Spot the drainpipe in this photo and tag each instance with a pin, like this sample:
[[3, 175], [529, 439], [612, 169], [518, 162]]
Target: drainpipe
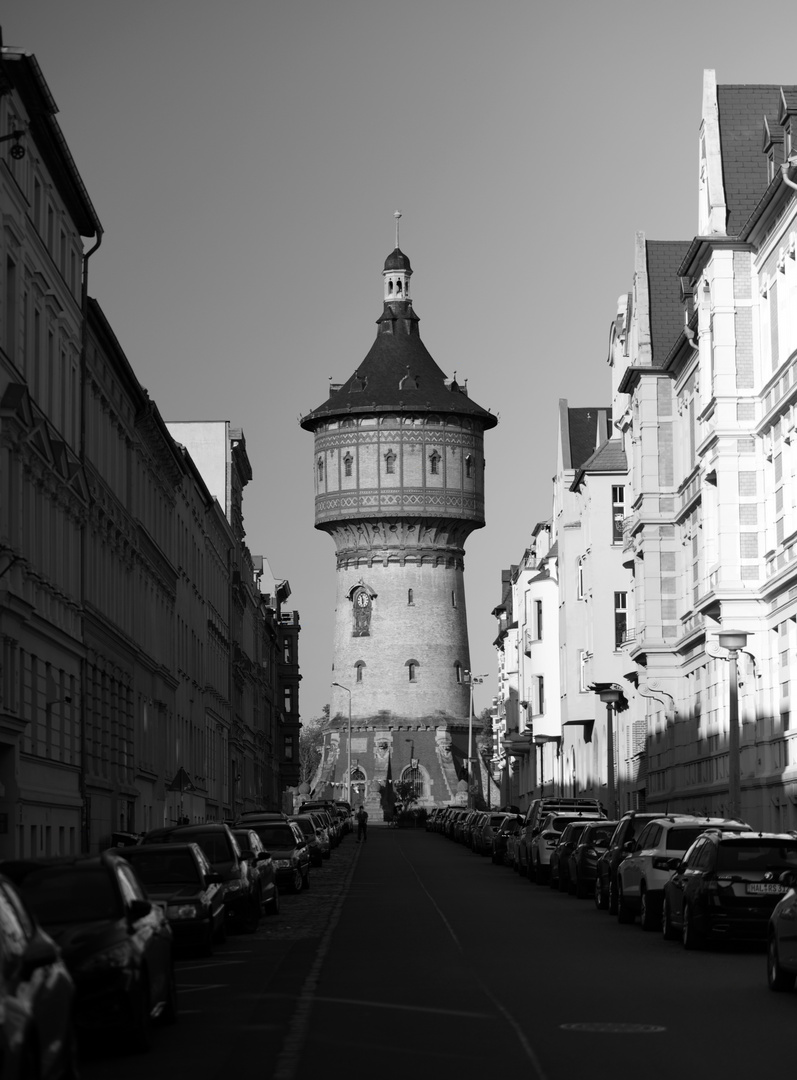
[[84, 341]]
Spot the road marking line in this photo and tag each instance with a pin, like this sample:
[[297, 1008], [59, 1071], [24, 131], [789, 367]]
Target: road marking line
[[187, 989], [391, 1005], [519, 1033], [614, 1028]]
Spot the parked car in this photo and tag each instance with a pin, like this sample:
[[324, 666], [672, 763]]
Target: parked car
[[651, 859], [484, 834], [117, 943], [180, 879], [546, 836], [314, 834], [37, 997], [241, 902], [289, 851], [537, 810], [559, 875], [782, 936], [727, 886], [507, 830], [261, 867], [583, 860], [629, 826], [343, 810], [321, 821]]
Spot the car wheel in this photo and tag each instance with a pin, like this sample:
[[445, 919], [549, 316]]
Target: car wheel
[[691, 937], [668, 931], [170, 1010], [296, 884], [612, 904], [141, 1033], [273, 905], [306, 879], [777, 978], [601, 903], [624, 913], [647, 912]]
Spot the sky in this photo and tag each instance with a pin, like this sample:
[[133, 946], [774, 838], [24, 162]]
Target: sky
[[245, 159]]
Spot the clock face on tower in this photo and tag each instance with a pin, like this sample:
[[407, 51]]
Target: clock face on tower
[[362, 614]]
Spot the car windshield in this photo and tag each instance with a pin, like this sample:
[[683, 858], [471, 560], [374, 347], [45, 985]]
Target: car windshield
[[66, 895], [596, 836], [164, 868], [276, 835], [757, 854], [305, 825]]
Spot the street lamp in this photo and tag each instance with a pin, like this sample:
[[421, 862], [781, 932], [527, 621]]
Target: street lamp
[[471, 678], [733, 641], [348, 746]]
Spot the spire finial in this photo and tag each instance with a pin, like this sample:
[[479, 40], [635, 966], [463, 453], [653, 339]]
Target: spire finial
[[397, 215]]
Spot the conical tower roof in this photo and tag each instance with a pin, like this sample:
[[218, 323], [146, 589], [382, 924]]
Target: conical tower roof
[[398, 374]]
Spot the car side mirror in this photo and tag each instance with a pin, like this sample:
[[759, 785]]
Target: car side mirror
[[266, 854], [788, 878], [138, 909], [629, 846], [261, 856], [40, 953]]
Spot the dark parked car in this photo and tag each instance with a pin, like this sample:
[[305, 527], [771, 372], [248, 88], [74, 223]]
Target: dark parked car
[[116, 942], [241, 902], [317, 842], [289, 852], [261, 867], [628, 828], [583, 860], [560, 867], [782, 937], [727, 886], [509, 827], [180, 879], [37, 997]]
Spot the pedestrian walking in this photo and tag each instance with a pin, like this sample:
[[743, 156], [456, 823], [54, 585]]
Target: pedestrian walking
[[362, 824]]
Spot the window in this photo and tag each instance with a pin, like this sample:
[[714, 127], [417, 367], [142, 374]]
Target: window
[[286, 650], [536, 612], [620, 618], [347, 465], [410, 597], [458, 671], [538, 695], [434, 463], [414, 776], [469, 466], [580, 595], [618, 513], [453, 598], [320, 469], [390, 462], [583, 671], [359, 667], [288, 748], [288, 699], [412, 670]]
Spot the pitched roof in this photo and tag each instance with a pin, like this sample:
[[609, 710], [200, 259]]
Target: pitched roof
[[398, 374], [664, 294], [583, 431], [742, 110]]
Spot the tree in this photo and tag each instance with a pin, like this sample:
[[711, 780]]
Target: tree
[[311, 739], [405, 793]]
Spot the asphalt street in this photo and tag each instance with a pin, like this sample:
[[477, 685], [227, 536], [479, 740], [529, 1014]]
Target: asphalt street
[[410, 955]]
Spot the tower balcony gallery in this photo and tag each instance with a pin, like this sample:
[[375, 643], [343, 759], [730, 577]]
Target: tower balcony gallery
[[399, 486]]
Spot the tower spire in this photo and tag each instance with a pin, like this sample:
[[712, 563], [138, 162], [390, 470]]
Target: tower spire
[[397, 215]]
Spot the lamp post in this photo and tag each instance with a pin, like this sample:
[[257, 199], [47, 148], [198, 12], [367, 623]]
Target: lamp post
[[348, 746], [471, 680], [610, 695], [733, 641]]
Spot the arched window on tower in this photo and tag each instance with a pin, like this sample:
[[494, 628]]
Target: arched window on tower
[[320, 469], [458, 671], [410, 597], [412, 670], [359, 667], [347, 463], [390, 462], [434, 463], [469, 466]]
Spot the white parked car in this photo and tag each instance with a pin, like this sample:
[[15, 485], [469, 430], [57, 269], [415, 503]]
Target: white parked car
[[651, 860], [545, 838]]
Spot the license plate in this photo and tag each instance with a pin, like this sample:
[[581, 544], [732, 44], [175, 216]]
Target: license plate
[[764, 888]]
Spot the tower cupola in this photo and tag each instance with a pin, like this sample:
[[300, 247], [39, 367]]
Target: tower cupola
[[397, 271]]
